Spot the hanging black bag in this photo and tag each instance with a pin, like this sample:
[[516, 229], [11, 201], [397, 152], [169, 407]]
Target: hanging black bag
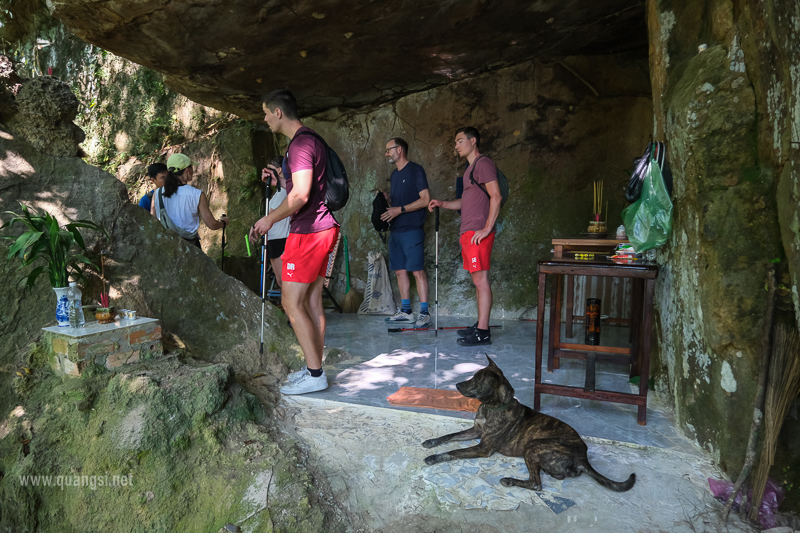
[[379, 207], [641, 166]]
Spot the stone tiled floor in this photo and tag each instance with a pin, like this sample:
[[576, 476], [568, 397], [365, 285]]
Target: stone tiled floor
[[383, 362], [372, 456]]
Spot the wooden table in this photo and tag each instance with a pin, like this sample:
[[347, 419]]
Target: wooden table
[[580, 244], [637, 355]]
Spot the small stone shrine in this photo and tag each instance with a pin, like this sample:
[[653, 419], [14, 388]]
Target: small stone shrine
[[108, 345]]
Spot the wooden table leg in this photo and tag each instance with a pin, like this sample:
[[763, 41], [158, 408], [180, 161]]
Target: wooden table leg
[[570, 303], [589, 382], [551, 337], [635, 333], [537, 396], [644, 380], [555, 341], [636, 309]]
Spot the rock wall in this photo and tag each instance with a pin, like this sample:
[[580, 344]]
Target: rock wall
[[726, 95], [544, 127]]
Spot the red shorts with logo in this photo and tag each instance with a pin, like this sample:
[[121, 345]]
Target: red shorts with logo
[[306, 255], [476, 257]]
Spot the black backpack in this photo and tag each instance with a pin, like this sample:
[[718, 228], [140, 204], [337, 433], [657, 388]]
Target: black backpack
[[379, 207], [337, 188]]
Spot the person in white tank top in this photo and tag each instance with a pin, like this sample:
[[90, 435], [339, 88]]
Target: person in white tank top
[[276, 236], [185, 205]]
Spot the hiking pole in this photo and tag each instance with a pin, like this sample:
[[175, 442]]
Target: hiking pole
[[436, 297], [264, 269], [222, 260], [399, 330]]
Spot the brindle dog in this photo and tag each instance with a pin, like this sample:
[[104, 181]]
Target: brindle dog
[[506, 426]]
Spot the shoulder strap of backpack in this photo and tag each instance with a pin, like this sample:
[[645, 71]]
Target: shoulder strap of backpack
[[307, 132], [161, 201], [471, 172]]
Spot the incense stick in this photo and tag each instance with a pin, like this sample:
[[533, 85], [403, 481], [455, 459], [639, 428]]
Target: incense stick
[[597, 198]]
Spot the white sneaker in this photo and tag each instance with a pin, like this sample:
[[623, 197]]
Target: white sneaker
[[423, 321], [294, 376], [400, 316], [307, 383]]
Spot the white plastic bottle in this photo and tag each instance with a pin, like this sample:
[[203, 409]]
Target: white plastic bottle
[[75, 307]]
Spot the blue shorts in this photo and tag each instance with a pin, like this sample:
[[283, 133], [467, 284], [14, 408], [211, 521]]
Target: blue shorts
[[406, 250]]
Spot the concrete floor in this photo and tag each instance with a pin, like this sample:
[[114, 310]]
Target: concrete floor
[[370, 450]]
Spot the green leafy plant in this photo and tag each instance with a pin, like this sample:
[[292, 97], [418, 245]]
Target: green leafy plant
[[61, 249]]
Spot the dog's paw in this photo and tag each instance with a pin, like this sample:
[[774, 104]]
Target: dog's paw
[[431, 460], [430, 443], [507, 482]]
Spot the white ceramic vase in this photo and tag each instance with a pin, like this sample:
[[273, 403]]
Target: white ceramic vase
[[62, 307]]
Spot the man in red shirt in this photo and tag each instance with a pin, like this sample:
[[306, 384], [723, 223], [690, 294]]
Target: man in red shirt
[[479, 205], [312, 235]]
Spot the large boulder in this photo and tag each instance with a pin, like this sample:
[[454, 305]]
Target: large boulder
[[720, 108], [45, 109]]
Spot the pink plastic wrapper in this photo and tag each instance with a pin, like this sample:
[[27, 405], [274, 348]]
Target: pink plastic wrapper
[[773, 496]]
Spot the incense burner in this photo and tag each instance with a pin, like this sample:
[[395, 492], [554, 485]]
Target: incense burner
[[104, 315]]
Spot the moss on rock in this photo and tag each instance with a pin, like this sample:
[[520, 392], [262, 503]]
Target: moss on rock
[[189, 444]]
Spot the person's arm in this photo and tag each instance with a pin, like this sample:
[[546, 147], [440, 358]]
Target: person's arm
[[205, 213], [453, 205], [296, 199], [493, 188], [153, 204], [421, 203]]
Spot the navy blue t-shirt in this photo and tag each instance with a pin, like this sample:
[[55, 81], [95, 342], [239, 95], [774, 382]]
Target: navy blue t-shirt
[[406, 186]]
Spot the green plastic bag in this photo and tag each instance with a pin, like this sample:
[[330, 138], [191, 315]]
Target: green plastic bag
[[648, 220]]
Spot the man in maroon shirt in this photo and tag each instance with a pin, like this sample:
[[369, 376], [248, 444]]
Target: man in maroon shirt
[[312, 235], [479, 205]]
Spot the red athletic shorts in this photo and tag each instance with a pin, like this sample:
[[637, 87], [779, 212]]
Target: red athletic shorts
[[476, 257], [306, 255]]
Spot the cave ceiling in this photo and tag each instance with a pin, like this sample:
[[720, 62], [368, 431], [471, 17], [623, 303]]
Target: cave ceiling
[[343, 53]]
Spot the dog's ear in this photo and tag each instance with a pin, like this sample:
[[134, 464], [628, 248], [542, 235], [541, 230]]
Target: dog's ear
[[491, 363], [505, 391]]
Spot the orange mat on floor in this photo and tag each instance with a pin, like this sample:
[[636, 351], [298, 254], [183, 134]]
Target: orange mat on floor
[[434, 399]]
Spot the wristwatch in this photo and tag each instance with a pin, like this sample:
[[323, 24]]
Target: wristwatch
[[403, 209]]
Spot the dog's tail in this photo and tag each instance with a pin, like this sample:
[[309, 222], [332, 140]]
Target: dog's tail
[[617, 486]]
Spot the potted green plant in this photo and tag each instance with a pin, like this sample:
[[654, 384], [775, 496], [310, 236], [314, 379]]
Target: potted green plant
[[61, 249]]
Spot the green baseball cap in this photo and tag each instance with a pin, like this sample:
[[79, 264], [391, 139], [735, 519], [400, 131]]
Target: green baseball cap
[[178, 162]]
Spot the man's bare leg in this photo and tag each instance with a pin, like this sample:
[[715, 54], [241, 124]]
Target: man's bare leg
[[316, 311], [295, 299], [422, 285], [483, 290], [403, 284], [277, 269]]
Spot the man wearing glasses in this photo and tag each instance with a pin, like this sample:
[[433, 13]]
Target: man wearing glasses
[[409, 197]]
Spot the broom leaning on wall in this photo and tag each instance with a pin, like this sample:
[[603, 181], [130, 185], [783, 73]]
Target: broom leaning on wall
[[782, 388]]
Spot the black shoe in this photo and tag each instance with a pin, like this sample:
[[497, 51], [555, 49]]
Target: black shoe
[[466, 332], [476, 339]]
